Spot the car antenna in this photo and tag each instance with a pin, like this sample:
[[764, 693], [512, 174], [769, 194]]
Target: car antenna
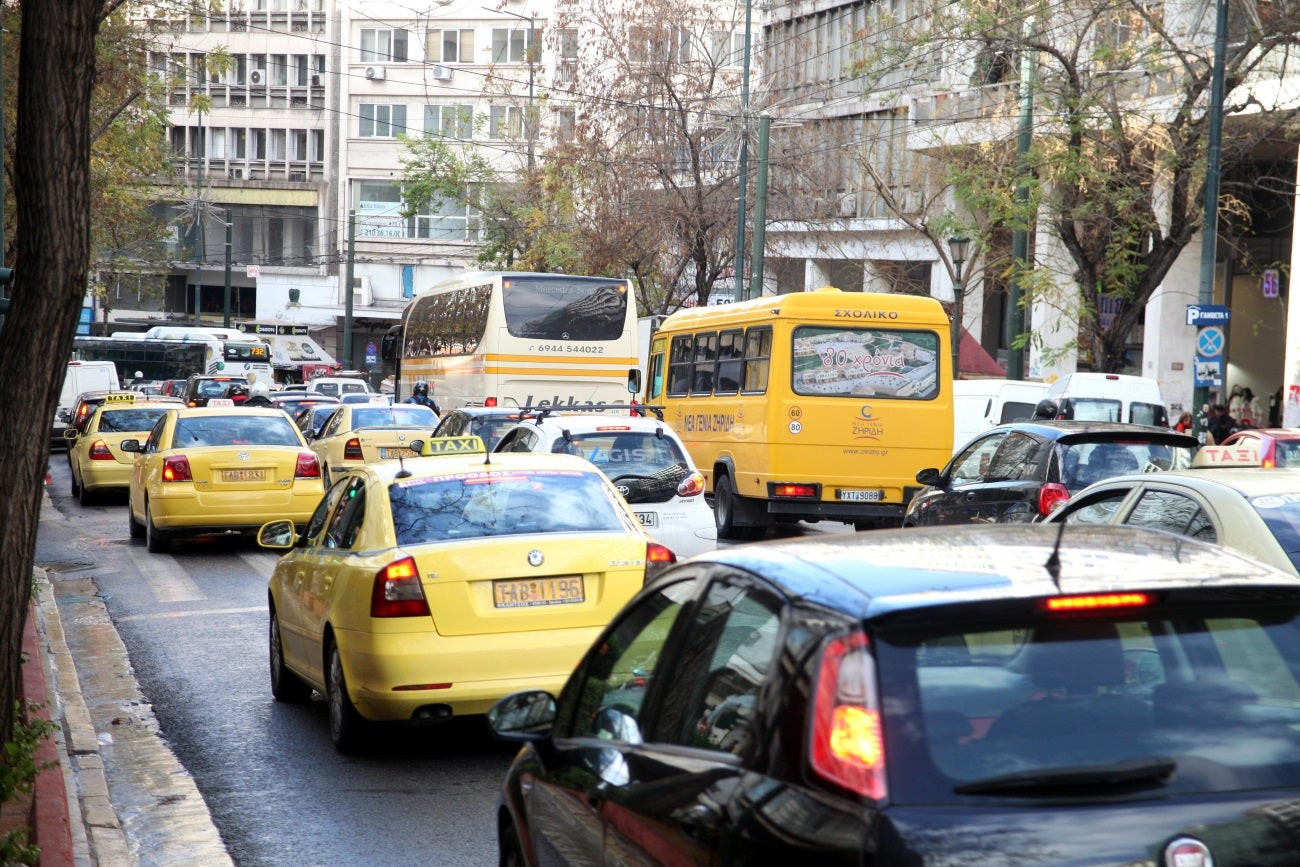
[[402, 472], [1053, 564]]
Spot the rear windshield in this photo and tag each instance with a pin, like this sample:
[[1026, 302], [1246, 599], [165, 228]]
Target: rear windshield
[[393, 416], [235, 430], [129, 420], [1281, 514], [469, 506], [1148, 413], [1093, 409], [1287, 453], [1083, 463], [211, 388], [1194, 700]]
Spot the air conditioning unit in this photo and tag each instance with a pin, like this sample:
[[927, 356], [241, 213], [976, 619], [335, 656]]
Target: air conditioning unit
[[256, 77], [361, 295], [442, 73], [237, 174], [315, 81], [375, 73], [848, 205]]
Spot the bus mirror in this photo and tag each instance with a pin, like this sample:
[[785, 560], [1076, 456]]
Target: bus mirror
[[388, 343], [633, 381]]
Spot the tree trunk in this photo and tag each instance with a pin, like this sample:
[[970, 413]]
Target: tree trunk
[[51, 172]]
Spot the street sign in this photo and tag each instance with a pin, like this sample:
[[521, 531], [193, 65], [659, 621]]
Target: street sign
[[1207, 314], [1209, 341], [1209, 372]]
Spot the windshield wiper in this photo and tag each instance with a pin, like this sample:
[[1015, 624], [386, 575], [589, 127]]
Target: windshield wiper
[[1117, 775]]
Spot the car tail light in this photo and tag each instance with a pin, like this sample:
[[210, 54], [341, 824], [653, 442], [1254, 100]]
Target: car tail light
[[99, 451], [692, 485], [307, 467], [1050, 496], [176, 469], [352, 451], [846, 741], [657, 559], [1095, 602], [794, 490], [397, 591], [192, 403]]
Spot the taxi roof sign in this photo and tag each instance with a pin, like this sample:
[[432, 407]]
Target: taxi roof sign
[[1226, 456], [467, 445], [120, 397]]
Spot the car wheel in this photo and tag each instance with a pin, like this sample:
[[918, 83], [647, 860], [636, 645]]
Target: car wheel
[[84, 497], [72, 474], [346, 725], [725, 501], [135, 527], [285, 685], [157, 541], [510, 851]]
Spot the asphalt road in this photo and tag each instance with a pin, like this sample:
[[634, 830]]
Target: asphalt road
[[194, 625]]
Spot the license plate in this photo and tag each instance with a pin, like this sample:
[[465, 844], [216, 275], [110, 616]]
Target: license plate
[[527, 592], [243, 475], [861, 496], [648, 519], [397, 453]]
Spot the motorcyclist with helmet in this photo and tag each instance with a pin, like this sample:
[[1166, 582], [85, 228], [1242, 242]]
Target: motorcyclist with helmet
[[259, 395], [420, 395]]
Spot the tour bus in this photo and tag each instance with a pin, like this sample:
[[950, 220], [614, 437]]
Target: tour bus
[[518, 339], [810, 406], [228, 351]]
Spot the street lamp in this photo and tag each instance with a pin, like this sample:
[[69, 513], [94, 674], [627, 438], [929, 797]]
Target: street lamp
[[958, 246]]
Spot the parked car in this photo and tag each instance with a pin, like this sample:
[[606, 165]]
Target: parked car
[[95, 454], [1020, 472], [644, 458], [82, 377], [1275, 446], [980, 696]]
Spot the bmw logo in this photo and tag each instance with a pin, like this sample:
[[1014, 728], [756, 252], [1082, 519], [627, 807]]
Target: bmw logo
[[535, 558]]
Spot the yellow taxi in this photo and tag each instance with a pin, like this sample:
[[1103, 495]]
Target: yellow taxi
[[219, 468], [95, 453], [363, 433], [430, 588]]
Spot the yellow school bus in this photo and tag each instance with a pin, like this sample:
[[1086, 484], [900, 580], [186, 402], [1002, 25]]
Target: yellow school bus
[[810, 406]]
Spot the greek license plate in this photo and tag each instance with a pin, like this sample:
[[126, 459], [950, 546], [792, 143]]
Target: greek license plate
[[648, 519], [854, 496], [397, 453], [525, 593], [243, 475]]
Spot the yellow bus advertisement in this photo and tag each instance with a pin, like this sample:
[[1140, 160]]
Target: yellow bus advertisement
[[810, 406]]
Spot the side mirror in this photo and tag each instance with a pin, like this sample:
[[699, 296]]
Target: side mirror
[[523, 716], [930, 476], [633, 381], [276, 534], [416, 446], [127, 445], [70, 434]]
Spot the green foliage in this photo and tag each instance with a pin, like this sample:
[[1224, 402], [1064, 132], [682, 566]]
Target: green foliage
[[18, 774]]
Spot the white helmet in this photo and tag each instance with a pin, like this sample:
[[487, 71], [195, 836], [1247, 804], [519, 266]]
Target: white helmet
[[260, 389]]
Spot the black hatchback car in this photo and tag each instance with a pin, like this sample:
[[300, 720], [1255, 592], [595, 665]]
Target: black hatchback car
[[1019, 472], [1022, 694], [487, 423]]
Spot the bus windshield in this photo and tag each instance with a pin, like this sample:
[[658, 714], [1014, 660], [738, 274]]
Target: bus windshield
[[551, 308], [855, 362]]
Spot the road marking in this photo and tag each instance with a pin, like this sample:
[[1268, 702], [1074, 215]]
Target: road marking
[[197, 612], [166, 579], [262, 564]]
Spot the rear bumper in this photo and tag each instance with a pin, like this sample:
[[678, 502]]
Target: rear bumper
[[180, 507]]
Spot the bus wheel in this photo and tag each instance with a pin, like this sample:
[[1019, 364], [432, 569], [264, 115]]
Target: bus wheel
[[725, 503]]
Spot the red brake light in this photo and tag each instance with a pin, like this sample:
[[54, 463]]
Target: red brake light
[[352, 451], [1050, 496], [794, 490], [397, 591], [657, 559], [99, 451], [307, 467], [491, 401], [1096, 602], [692, 485], [846, 740], [176, 469]]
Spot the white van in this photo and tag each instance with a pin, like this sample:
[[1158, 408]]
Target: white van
[[1109, 397], [337, 386], [81, 376], [979, 404]]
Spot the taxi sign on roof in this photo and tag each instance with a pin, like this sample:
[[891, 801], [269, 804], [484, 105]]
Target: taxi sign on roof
[[120, 397], [221, 401], [453, 446], [1226, 456]]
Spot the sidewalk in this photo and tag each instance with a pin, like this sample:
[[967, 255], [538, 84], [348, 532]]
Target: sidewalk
[[118, 796]]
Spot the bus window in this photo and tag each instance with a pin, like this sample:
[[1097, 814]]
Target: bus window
[[679, 365], [731, 354], [758, 352], [706, 351], [655, 385]]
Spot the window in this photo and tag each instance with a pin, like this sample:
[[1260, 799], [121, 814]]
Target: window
[[449, 121], [1015, 459], [1098, 510], [727, 47], [512, 45], [346, 523], [381, 121], [1166, 510], [731, 355], [505, 122], [568, 43], [654, 43], [758, 353], [973, 463], [725, 658], [621, 669], [320, 517], [383, 45], [679, 367], [566, 124], [706, 350], [450, 46], [447, 220]]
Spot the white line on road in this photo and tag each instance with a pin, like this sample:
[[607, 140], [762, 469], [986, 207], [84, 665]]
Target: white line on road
[[197, 612], [262, 564], [166, 578]]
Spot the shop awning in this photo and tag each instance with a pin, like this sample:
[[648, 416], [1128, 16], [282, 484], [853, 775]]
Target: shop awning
[[973, 360]]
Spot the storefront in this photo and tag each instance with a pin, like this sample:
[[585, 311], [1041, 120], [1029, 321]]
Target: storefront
[[295, 356]]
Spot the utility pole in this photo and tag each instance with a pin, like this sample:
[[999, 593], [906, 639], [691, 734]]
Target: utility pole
[[347, 290], [743, 167], [760, 208], [200, 213], [1015, 318], [229, 230]]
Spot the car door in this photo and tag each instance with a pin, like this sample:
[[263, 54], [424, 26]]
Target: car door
[[709, 728], [1175, 512], [293, 579], [599, 721], [1009, 492], [955, 499], [330, 563]]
